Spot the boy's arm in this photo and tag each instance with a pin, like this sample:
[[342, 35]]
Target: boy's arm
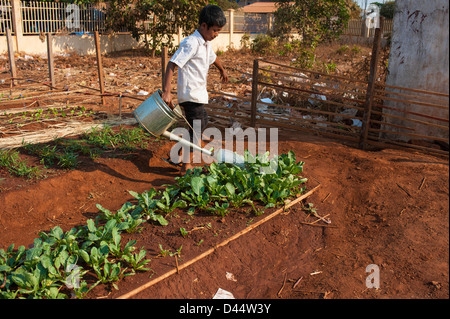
[[223, 72], [166, 95]]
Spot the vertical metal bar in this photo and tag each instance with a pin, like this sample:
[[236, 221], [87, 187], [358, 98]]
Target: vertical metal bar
[[371, 87], [100, 66], [51, 68], [52, 17], [254, 92], [25, 18]]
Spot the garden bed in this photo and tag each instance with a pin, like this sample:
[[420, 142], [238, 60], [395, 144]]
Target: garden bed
[[390, 208]]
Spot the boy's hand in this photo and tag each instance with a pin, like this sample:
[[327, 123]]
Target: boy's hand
[[167, 98], [223, 72], [223, 75]]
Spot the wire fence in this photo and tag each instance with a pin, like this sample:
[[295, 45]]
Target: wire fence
[[56, 17], [5, 16]]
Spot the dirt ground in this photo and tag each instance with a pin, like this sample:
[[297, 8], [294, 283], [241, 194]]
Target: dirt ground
[[387, 207]]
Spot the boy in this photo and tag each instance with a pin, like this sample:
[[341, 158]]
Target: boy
[[193, 58]]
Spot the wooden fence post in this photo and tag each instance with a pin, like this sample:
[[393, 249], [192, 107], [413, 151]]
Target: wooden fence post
[[100, 66], [254, 92], [164, 61], [51, 65], [12, 61], [371, 86]]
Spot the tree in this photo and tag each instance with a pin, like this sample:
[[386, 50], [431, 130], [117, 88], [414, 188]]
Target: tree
[[315, 20], [74, 1], [227, 4], [386, 9], [158, 21]]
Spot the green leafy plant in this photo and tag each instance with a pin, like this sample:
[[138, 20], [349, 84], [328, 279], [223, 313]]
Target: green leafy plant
[[165, 204], [137, 261], [184, 232], [11, 160], [45, 269], [149, 205]]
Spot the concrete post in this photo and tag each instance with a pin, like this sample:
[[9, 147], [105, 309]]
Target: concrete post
[[231, 27], [16, 18]]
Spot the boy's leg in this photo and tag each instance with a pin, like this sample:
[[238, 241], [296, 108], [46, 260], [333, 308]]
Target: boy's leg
[[194, 111]]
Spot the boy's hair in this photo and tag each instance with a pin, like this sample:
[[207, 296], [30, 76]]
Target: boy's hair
[[212, 15]]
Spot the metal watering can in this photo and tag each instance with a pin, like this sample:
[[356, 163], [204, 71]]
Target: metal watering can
[[155, 116]]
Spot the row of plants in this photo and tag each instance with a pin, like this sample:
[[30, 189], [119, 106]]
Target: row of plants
[[63, 153], [58, 263], [221, 186], [22, 118]]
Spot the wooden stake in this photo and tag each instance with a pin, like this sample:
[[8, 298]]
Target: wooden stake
[[404, 190], [371, 86], [99, 65], [316, 225], [254, 92], [164, 61], [51, 66], [282, 287], [421, 184], [297, 282], [120, 105], [326, 197], [212, 250], [12, 61]]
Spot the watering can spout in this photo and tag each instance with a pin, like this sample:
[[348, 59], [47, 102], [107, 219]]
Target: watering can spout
[[156, 117], [222, 155]]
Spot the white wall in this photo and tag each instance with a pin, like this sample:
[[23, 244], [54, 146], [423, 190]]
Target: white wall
[[84, 44], [419, 57]]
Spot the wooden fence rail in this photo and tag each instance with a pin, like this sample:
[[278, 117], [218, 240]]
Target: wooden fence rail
[[364, 113]]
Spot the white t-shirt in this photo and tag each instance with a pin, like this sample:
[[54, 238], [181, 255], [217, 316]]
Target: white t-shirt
[[193, 58]]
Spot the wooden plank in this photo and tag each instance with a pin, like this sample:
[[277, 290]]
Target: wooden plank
[[402, 145], [413, 90], [314, 131], [231, 95], [427, 98], [313, 72], [254, 92], [298, 108], [310, 123], [318, 93], [213, 249], [164, 62], [410, 134], [100, 66], [412, 113], [70, 129], [356, 87], [371, 86], [410, 120], [386, 98]]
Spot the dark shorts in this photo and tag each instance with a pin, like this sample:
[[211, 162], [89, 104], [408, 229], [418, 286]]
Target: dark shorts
[[195, 111]]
